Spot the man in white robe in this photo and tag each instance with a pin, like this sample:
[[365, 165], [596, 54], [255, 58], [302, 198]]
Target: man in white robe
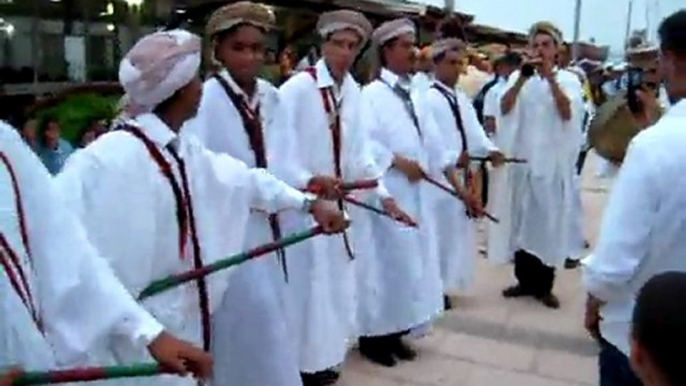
[[58, 297], [461, 133], [499, 236], [241, 115], [323, 110], [541, 108], [644, 226], [156, 202], [407, 147]]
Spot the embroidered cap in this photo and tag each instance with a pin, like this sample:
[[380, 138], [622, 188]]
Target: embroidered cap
[[548, 28], [242, 12], [392, 29], [442, 46], [159, 65], [330, 22]]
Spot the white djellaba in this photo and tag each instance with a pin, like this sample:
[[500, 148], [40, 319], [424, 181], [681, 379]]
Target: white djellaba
[[128, 206]]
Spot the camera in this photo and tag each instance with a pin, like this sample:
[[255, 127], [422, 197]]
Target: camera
[[635, 83]]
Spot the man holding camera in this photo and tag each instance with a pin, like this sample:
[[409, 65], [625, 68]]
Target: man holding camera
[[644, 227], [541, 107]]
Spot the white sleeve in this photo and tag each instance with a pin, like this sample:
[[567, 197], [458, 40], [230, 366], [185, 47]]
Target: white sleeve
[[82, 300], [478, 142], [627, 224], [491, 103]]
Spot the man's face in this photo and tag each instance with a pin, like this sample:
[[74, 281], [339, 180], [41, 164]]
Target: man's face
[[242, 52], [29, 130], [448, 69], [672, 70], [52, 132], [341, 49], [400, 53], [543, 46]]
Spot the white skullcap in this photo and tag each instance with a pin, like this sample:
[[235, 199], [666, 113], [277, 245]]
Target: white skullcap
[[159, 65], [442, 46], [334, 21], [392, 29]]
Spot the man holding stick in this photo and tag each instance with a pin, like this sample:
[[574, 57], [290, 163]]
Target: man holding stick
[[59, 297], [156, 202], [322, 106]]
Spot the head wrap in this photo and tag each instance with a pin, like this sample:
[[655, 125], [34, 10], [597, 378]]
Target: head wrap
[[243, 12], [548, 28], [330, 22], [159, 65], [391, 30], [442, 46]]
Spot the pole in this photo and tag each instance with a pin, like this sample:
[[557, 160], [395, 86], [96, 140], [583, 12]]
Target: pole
[[628, 24], [577, 31], [449, 6]]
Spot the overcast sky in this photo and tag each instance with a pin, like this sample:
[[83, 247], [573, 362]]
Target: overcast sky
[[605, 20]]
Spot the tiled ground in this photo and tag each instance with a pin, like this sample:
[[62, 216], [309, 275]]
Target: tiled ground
[[490, 341]]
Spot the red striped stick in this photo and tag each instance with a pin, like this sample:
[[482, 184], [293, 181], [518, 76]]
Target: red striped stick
[[346, 187], [89, 374], [454, 194]]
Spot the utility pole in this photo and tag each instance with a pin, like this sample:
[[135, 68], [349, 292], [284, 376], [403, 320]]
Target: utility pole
[[449, 5], [628, 23], [577, 31]]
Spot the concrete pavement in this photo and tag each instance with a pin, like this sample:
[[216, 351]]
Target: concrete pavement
[[490, 341]]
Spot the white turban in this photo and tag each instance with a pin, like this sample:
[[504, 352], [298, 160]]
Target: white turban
[[334, 21], [442, 46], [392, 29], [159, 65]]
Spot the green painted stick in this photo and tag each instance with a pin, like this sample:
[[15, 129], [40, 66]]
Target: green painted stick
[[176, 280], [89, 374]]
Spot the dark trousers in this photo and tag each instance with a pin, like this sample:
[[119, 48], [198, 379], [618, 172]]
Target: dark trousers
[[534, 277], [581, 161], [615, 368], [382, 341]]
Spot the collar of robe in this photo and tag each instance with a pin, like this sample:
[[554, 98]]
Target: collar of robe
[[394, 80], [678, 109], [254, 101], [156, 130], [441, 85]]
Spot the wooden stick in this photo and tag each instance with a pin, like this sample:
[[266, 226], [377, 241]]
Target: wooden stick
[[89, 374], [376, 210], [454, 194], [176, 280]]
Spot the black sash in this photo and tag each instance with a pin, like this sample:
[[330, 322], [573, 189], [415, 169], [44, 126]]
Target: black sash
[[253, 128], [407, 102]]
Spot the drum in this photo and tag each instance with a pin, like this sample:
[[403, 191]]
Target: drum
[[612, 129]]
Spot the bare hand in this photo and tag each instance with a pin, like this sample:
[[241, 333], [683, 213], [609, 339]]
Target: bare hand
[[463, 161], [325, 187], [497, 158], [410, 168], [592, 317], [474, 206], [327, 215], [10, 376], [391, 207], [181, 356], [646, 117]]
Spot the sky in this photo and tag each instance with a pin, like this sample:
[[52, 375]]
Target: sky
[[604, 20]]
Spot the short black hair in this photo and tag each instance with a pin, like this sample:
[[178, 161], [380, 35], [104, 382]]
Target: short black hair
[[659, 323], [672, 33]]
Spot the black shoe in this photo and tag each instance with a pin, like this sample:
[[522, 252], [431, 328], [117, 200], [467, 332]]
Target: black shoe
[[572, 264], [320, 378], [403, 351], [516, 291], [447, 303], [376, 350], [549, 300]]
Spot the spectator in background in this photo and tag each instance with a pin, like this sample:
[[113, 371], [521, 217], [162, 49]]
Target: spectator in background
[[309, 60], [29, 133], [88, 135], [659, 331], [52, 149]]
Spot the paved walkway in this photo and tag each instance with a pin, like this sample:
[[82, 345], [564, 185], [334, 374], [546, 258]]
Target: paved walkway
[[490, 341]]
